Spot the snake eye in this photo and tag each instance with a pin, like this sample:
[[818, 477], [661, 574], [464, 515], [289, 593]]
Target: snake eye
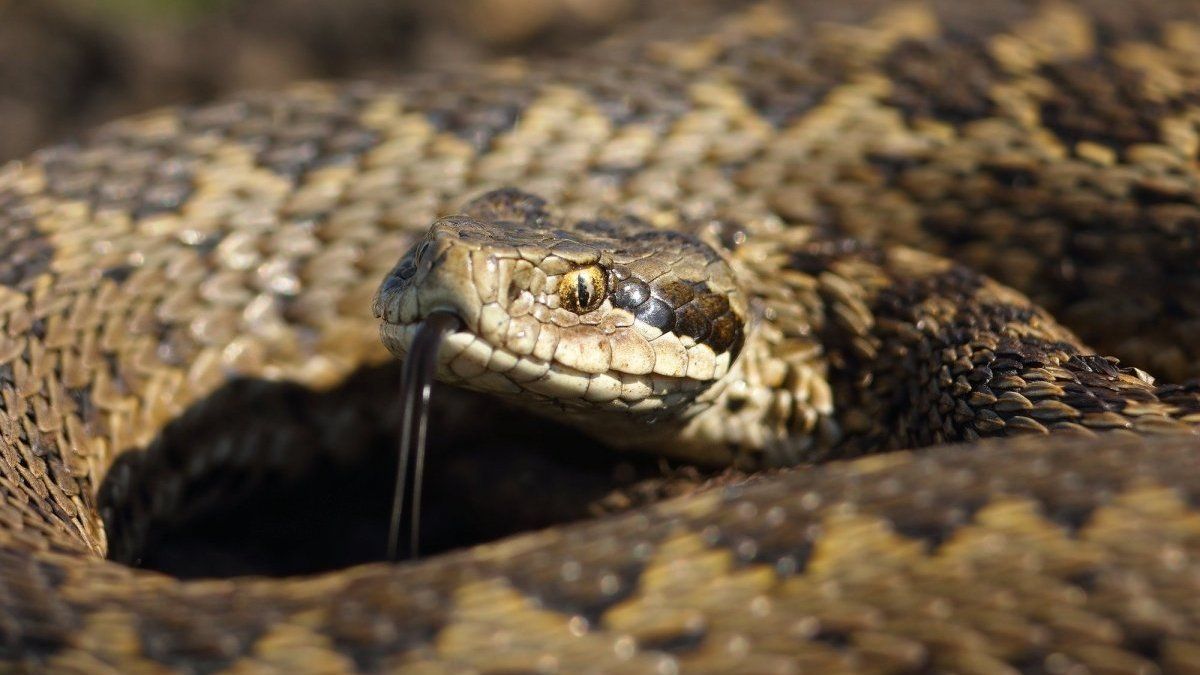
[[582, 290]]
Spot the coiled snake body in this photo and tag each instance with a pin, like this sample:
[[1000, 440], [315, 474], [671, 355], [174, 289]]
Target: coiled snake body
[[707, 247]]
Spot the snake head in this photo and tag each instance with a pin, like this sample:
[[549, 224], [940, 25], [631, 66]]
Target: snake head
[[607, 313]]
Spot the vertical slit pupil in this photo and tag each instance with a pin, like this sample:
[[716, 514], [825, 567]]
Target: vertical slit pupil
[[582, 292]]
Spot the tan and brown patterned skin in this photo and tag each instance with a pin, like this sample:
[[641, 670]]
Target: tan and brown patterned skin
[[1052, 145]]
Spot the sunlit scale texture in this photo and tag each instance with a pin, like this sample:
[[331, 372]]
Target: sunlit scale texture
[[1051, 145], [985, 559], [667, 323]]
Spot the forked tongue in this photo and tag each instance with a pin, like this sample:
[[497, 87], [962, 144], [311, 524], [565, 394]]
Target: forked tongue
[[416, 383]]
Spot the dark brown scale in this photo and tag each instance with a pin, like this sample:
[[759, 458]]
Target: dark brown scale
[[656, 313], [113, 176], [24, 252], [942, 80], [675, 293], [508, 205], [1100, 101], [712, 305], [634, 92], [598, 587], [726, 334], [291, 142], [903, 413], [783, 77], [691, 321], [630, 293]]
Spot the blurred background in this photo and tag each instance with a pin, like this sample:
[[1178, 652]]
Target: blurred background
[[66, 65]]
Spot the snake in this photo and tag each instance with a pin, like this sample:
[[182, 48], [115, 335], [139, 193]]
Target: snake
[[783, 237]]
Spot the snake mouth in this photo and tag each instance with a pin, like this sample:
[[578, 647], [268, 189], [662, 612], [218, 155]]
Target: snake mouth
[[469, 360]]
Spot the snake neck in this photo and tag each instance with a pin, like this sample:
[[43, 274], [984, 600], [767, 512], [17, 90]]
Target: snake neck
[[854, 349], [919, 350]]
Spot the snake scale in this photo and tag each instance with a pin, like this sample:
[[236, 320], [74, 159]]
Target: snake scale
[[724, 235]]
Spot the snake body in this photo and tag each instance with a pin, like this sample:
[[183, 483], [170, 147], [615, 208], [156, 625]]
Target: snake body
[[717, 221]]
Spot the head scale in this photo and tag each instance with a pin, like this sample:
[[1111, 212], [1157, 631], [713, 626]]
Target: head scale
[[601, 314]]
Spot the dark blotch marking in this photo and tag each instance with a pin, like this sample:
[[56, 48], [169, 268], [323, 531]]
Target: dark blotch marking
[[1149, 644], [185, 641], [674, 293], [934, 526], [838, 639], [480, 115], [713, 304], [1012, 176], [891, 167], [941, 80], [289, 135], [1072, 514], [708, 319], [630, 293], [40, 628], [727, 335], [685, 640], [1099, 101], [508, 204], [599, 227], [690, 321], [354, 627], [124, 168], [656, 313], [1085, 579], [1153, 193], [958, 285], [783, 77], [629, 89], [584, 596], [25, 252], [119, 273], [51, 575], [697, 313]]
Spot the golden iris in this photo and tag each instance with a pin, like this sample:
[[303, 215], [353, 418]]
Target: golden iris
[[583, 290]]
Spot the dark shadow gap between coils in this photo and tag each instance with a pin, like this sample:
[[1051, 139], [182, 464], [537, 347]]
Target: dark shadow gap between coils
[[270, 478]]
